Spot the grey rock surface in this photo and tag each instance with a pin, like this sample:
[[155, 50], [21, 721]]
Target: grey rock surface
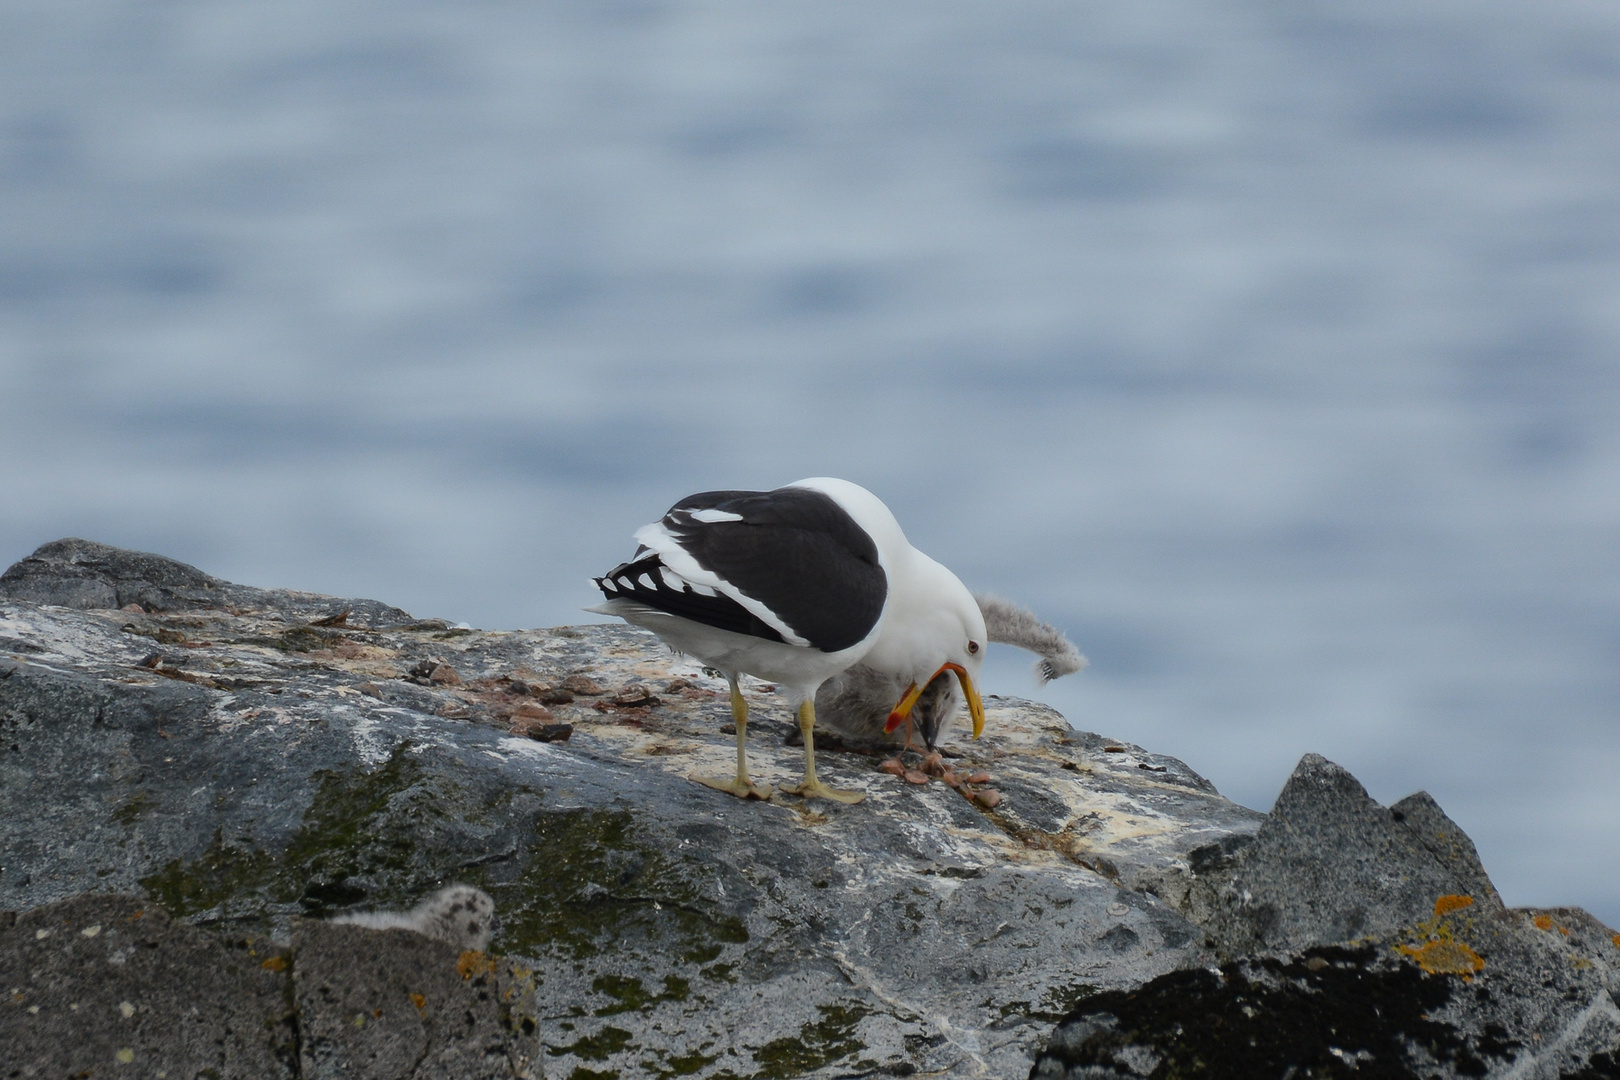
[[250, 761], [109, 985], [84, 574], [1449, 845], [382, 1004], [243, 765], [1358, 939], [1329, 865]]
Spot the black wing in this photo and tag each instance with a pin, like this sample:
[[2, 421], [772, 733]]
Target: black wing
[[629, 580], [793, 550]]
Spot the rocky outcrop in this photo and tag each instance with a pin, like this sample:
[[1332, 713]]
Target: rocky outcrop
[[104, 985], [244, 762], [1360, 939], [99, 982], [256, 762]]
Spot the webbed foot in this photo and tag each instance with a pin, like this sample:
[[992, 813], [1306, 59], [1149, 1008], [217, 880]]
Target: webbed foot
[[815, 789], [736, 785]]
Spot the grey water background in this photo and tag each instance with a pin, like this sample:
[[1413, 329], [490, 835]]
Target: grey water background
[[1270, 349]]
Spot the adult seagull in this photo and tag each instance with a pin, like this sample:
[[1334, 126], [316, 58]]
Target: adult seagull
[[793, 586]]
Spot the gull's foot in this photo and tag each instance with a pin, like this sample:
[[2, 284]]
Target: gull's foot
[[731, 785], [815, 789]]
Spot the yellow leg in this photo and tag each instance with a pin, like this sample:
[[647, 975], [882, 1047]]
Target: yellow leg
[[739, 786], [813, 788]]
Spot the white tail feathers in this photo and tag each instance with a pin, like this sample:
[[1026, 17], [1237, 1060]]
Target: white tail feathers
[[1008, 624]]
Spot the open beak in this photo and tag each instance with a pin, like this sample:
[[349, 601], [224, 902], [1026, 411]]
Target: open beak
[[975, 706]]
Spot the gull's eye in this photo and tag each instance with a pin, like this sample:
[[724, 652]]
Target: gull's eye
[[973, 646]]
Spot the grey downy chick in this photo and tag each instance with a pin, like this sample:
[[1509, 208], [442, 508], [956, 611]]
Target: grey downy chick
[[458, 915], [855, 704]]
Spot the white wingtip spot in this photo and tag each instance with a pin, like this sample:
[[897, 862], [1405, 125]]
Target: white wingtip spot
[[712, 516], [670, 579], [647, 581]]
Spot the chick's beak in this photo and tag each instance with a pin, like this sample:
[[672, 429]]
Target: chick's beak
[[975, 706]]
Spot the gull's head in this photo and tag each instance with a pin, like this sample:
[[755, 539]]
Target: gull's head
[[931, 626], [934, 632]]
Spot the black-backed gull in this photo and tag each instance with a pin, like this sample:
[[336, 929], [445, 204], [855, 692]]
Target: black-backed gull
[[793, 586]]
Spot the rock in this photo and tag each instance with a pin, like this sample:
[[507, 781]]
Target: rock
[[84, 574], [382, 1004], [676, 929], [1376, 944], [99, 985], [1449, 845], [278, 764], [1330, 865], [549, 732]]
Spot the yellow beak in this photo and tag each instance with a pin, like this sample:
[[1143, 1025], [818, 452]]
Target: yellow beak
[[975, 706]]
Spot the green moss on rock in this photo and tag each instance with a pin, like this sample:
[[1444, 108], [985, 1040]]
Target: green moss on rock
[[819, 1044], [598, 1047], [591, 884], [343, 853]]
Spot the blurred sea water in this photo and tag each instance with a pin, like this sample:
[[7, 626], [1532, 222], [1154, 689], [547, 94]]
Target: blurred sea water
[[1272, 350]]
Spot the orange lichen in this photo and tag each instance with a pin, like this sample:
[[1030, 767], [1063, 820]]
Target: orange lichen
[[275, 963], [1444, 957], [419, 1001], [1543, 922], [1452, 902], [1616, 940], [473, 963]]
